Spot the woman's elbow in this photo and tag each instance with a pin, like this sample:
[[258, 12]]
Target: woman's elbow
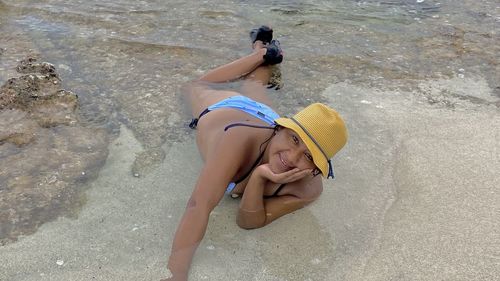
[[246, 221], [247, 226]]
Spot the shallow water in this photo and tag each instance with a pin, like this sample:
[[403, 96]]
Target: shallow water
[[127, 59]]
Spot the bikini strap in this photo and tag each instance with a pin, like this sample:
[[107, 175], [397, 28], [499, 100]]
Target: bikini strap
[[194, 121], [279, 189], [248, 125], [257, 161]]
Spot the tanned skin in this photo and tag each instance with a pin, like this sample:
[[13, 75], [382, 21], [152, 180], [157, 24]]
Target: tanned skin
[[228, 155]]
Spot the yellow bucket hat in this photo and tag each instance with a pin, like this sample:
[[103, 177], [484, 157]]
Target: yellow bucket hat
[[322, 130]]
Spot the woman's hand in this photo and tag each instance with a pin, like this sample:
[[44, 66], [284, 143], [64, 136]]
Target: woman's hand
[[295, 174]]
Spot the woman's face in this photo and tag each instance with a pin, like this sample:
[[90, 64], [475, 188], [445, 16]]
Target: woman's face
[[287, 151]]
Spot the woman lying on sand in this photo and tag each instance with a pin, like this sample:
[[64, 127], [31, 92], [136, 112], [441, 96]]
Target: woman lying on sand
[[273, 163]]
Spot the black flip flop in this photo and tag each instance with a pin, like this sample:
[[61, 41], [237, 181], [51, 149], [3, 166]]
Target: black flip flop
[[274, 54], [263, 33]]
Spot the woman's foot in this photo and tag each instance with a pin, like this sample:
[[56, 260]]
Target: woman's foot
[[263, 33], [274, 54], [257, 45], [262, 37]]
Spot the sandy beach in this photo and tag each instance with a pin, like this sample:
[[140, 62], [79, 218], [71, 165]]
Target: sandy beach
[[412, 202], [417, 189]]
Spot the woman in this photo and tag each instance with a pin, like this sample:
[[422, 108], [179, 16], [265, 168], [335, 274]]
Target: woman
[[248, 150]]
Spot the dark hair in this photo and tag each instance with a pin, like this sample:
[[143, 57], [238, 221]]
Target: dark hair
[[316, 171]]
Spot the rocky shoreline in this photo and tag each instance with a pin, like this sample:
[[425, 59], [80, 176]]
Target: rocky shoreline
[[46, 152]]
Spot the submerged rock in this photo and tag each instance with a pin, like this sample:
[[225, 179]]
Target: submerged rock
[[29, 65], [43, 150], [40, 86], [39, 96]]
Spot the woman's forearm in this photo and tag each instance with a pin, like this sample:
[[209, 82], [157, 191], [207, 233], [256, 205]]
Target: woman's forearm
[[189, 233], [251, 213]]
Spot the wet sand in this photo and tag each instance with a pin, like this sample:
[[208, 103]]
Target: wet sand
[[416, 198], [434, 167]]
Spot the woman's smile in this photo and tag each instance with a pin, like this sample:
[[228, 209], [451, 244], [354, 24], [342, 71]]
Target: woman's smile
[[284, 163]]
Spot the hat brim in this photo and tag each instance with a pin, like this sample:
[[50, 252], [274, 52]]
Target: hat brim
[[318, 158]]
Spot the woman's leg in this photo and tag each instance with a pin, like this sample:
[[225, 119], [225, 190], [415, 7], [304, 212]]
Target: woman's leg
[[255, 83], [238, 68], [200, 95], [256, 75]]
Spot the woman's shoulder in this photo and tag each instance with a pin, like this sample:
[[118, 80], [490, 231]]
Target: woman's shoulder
[[220, 128], [239, 145]]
